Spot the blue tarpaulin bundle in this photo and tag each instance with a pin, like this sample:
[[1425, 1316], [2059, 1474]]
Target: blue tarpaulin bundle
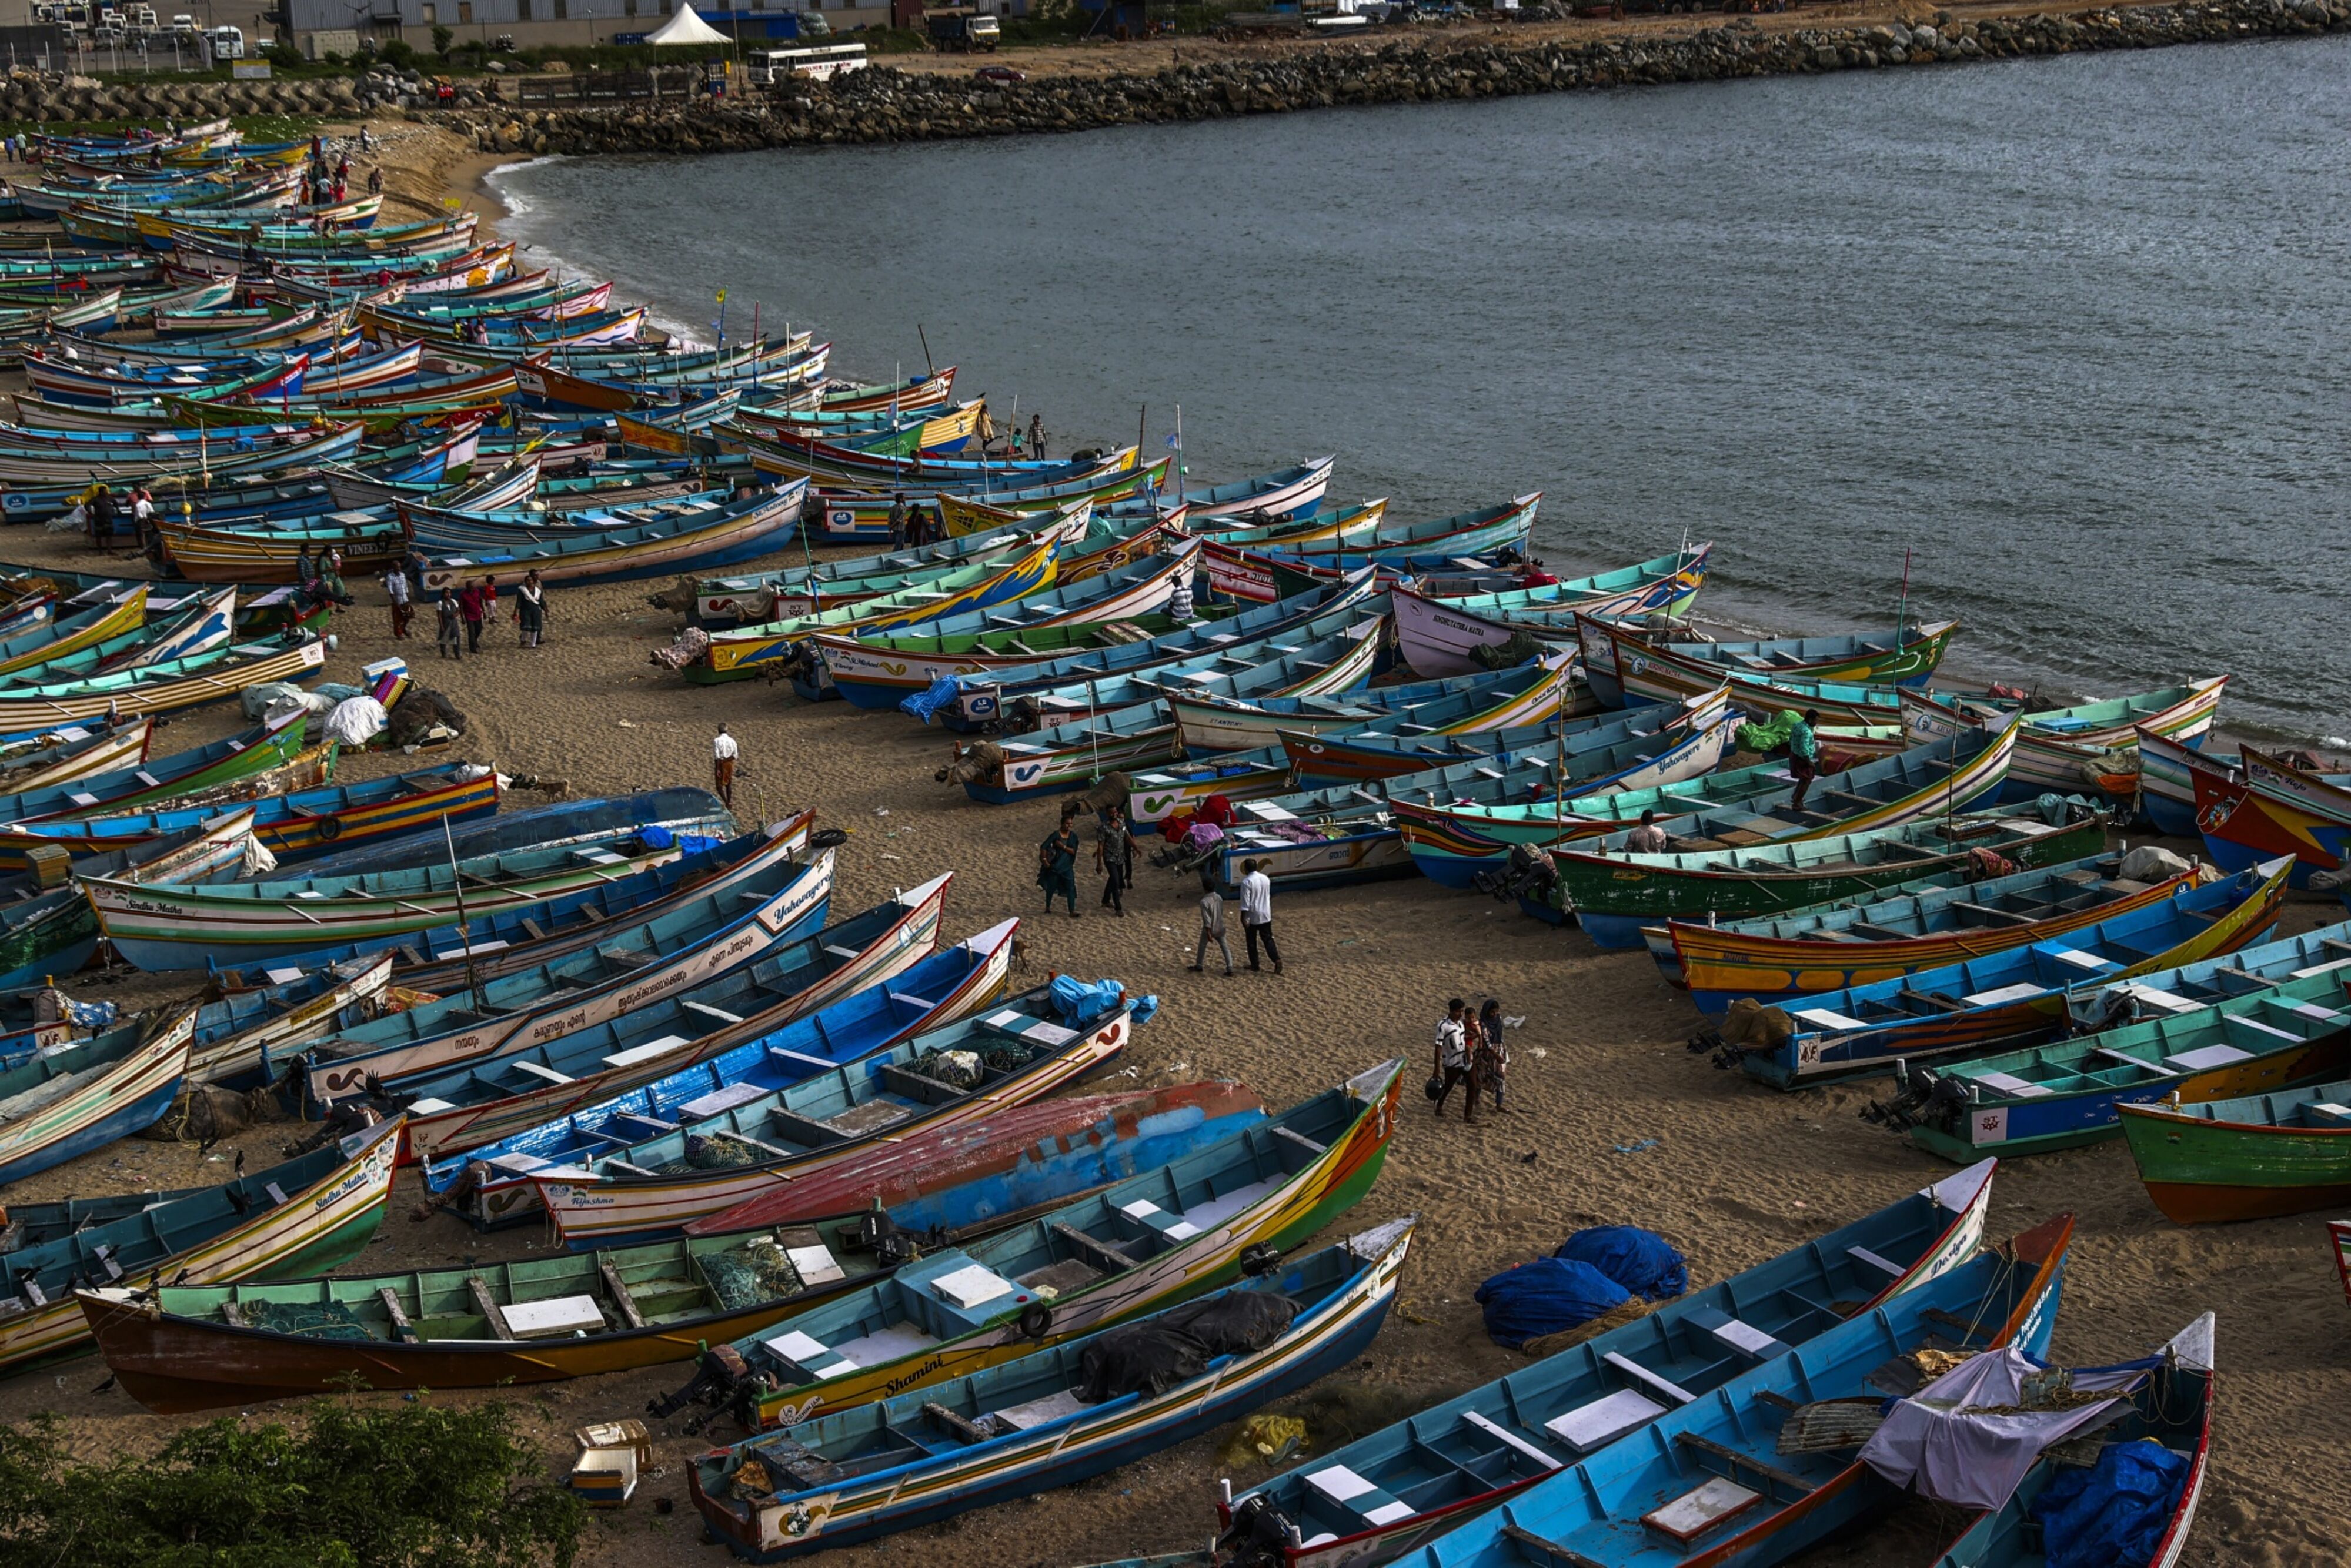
[[1545, 1296], [660, 838], [924, 704], [1081, 1002], [1642, 1261], [2111, 1515]]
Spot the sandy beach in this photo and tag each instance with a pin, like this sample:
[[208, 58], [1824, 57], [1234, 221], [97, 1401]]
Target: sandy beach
[[1611, 1120]]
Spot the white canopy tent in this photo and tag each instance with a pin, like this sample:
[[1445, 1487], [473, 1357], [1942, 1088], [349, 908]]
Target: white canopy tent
[[687, 27]]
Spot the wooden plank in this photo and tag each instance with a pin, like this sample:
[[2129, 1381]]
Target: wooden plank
[[1732, 1457], [1530, 1544], [488, 1308], [402, 1329], [618, 1288]]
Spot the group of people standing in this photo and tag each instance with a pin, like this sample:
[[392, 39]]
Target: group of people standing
[[466, 613], [1469, 1051], [1057, 859], [1257, 918]]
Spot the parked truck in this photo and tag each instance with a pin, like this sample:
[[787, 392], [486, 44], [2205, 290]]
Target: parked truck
[[961, 28]]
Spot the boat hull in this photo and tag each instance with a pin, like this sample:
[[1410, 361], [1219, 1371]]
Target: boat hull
[[2203, 1173]]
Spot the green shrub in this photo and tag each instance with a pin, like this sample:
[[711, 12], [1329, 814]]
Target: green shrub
[[412, 1484]]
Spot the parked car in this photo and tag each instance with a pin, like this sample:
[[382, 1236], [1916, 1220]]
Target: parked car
[[1004, 75]]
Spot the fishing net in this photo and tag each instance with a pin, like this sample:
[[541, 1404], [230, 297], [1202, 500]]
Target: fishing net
[[961, 1069], [1522, 645], [1765, 738], [746, 1276], [306, 1320], [718, 1152]]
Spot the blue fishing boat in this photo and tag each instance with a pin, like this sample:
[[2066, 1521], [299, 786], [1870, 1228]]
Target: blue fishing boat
[[768, 933], [1433, 1471], [692, 815], [2015, 998], [1708, 1481], [1069, 754], [488, 946], [1718, 966], [68, 1102], [1322, 838], [1059, 688], [473, 1108], [1284, 493], [1053, 1418]]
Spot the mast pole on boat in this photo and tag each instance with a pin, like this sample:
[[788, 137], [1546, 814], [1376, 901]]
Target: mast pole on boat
[[465, 927]]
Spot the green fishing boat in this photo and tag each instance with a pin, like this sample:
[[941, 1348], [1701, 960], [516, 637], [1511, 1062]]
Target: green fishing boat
[[2248, 1158]]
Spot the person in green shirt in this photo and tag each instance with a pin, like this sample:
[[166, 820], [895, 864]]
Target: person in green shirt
[[1804, 756]]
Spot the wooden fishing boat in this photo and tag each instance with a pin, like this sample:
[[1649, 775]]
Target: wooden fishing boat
[[72, 754], [1014, 1164], [1289, 492], [2167, 782], [697, 939], [1116, 601], [1332, 526], [1097, 680], [248, 752], [2063, 1095], [2090, 746], [848, 515], [1139, 1244], [54, 933], [313, 1212], [2170, 1404], [2252, 1158], [721, 601], [1907, 657], [1716, 966], [712, 535], [478, 951], [242, 1039], [1347, 833], [1739, 809], [188, 926], [478, 1106], [305, 447], [2022, 996], [994, 1434], [1711, 1481], [90, 628], [619, 1309], [739, 654], [368, 543], [1613, 896], [1390, 1491], [67, 1104], [2262, 808], [915, 395], [1071, 755], [164, 687], [750, 1121], [1544, 688], [581, 822], [1440, 635], [290, 826], [1234, 567]]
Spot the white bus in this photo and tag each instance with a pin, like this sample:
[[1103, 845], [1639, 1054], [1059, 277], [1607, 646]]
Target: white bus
[[765, 67]]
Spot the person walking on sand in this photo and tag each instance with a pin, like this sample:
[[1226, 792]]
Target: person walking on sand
[[1489, 1059], [1212, 926], [723, 753], [395, 590], [1453, 1058], [1057, 867], [1037, 436], [530, 612], [470, 606], [1804, 756], [101, 520], [1648, 839], [898, 521], [452, 616], [1113, 850], [1257, 912]]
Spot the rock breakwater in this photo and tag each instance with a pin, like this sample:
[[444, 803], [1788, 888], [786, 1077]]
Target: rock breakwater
[[883, 104]]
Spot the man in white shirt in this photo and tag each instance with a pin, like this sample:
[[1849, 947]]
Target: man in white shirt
[[1453, 1057], [723, 752], [395, 589], [1257, 913]]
